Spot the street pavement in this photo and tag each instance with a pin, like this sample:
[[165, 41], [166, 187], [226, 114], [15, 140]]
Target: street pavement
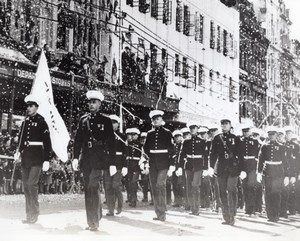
[[63, 218]]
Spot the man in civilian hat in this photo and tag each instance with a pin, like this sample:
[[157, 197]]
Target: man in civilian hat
[[225, 153], [249, 149], [194, 151], [113, 184], [95, 144], [159, 148], [273, 166], [35, 150]]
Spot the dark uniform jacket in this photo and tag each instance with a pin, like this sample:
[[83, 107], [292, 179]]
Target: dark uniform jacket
[[195, 152], [133, 156], [249, 150], [225, 156], [272, 160], [177, 149], [95, 140], [159, 148], [120, 150], [293, 155], [35, 131]]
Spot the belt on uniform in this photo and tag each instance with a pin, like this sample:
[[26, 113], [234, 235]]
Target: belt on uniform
[[159, 151], [119, 153], [33, 143], [133, 158], [194, 156], [273, 163], [249, 157], [90, 144]]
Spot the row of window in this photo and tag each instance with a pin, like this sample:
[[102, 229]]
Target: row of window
[[190, 24]]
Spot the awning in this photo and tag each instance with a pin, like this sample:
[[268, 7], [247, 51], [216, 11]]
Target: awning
[[13, 55]]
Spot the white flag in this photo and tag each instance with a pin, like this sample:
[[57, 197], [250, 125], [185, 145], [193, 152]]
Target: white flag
[[42, 89]]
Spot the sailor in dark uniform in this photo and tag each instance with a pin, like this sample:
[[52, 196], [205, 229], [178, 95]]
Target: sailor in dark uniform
[[226, 151], [273, 166], [159, 149], [95, 144], [35, 150], [250, 149], [194, 151], [113, 184]]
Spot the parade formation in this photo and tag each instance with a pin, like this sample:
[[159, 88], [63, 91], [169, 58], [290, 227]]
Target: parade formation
[[199, 114]]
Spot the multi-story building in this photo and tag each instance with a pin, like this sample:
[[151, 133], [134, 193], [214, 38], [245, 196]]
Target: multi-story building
[[274, 17], [194, 44], [253, 66]]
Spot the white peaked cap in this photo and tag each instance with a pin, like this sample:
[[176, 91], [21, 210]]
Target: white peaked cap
[[94, 94]]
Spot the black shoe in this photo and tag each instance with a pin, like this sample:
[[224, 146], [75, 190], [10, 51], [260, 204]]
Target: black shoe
[[33, 220], [109, 214], [26, 221], [187, 208], [87, 228], [162, 219], [119, 211], [175, 205], [132, 204], [93, 229], [145, 200], [151, 203]]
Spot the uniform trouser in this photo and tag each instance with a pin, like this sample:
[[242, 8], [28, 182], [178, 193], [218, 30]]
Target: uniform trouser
[[285, 191], [145, 185], [297, 195], [258, 197], [273, 188], [158, 179], [193, 179], [216, 191], [249, 187], [169, 190], [30, 179], [93, 206], [113, 190], [292, 199], [133, 178], [178, 189], [185, 194], [205, 192], [228, 195]]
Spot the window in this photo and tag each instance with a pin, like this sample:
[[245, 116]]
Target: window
[[201, 36], [186, 20], [201, 76], [167, 12], [197, 26], [219, 39], [177, 65], [185, 68], [128, 2], [231, 90], [153, 56], [154, 8], [211, 77], [195, 76], [164, 57], [212, 35], [179, 17], [144, 6], [225, 42]]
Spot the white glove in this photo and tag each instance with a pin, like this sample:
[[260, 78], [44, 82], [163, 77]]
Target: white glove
[[142, 166], [286, 181], [112, 170], [293, 180], [299, 177], [210, 172], [243, 175], [46, 166], [17, 157], [259, 177], [205, 173], [75, 164], [124, 171], [142, 160], [170, 171], [179, 172]]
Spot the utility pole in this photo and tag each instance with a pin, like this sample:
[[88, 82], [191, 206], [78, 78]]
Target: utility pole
[[120, 71], [281, 111]]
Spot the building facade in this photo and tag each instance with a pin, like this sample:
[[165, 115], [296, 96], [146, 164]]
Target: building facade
[[195, 45], [253, 67]]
